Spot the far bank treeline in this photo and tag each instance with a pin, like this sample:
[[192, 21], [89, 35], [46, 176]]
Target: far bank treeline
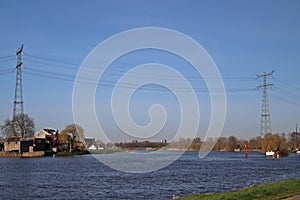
[[72, 138], [281, 143]]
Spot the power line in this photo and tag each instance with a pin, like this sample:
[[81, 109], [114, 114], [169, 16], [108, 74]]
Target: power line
[[285, 99], [52, 65], [5, 73], [118, 72], [51, 59], [288, 93], [113, 72], [286, 83], [6, 70], [6, 57], [68, 75], [107, 83]]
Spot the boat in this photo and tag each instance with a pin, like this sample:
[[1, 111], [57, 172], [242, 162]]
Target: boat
[[270, 153]]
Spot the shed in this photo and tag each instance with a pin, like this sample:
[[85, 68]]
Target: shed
[[25, 145], [12, 144]]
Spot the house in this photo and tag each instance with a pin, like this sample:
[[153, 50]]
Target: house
[[50, 135], [46, 134], [89, 142], [42, 134], [92, 147], [39, 144], [46, 140]]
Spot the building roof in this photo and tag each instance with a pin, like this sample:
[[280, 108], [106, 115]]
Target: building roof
[[12, 138], [41, 134], [93, 147]]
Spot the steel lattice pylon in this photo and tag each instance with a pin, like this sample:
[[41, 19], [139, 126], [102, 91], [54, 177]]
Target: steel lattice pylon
[[18, 100], [265, 124]]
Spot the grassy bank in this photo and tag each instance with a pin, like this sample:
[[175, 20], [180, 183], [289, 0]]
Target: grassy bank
[[279, 190], [71, 154], [107, 151], [100, 151]]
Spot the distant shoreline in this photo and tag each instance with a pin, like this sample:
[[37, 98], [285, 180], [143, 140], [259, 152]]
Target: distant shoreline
[[103, 151]]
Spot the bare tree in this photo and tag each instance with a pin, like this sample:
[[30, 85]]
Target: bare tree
[[295, 140], [21, 125]]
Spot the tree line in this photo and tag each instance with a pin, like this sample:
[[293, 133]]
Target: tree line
[[141, 145], [272, 142], [71, 138]]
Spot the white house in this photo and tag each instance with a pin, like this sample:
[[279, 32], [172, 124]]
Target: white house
[[44, 133], [93, 147]]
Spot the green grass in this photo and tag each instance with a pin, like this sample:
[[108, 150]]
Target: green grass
[[100, 151], [279, 190], [62, 153], [107, 151]]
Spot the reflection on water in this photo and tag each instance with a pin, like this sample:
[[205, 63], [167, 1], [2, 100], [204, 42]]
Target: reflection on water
[[85, 177]]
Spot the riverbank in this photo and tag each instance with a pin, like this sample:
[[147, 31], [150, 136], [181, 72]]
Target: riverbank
[[108, 151], [99, 151], [280, 190], [23, 154], [61, 153]]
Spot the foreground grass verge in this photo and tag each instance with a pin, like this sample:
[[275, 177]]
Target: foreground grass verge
[[279, 190]]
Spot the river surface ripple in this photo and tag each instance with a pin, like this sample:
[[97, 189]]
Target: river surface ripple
[[84, 177]]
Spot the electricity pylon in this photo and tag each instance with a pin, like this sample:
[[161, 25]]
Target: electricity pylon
[[18, 100], [265, 124]]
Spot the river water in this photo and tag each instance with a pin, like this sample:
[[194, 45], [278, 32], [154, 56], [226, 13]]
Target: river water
[[84, 177]]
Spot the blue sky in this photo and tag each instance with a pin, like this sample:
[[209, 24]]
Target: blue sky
[[243, 38]]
